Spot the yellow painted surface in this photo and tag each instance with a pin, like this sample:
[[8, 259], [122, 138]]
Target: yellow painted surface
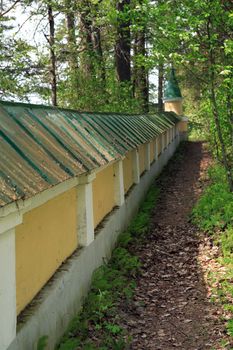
[[152, 151], [183, 126], [44, 240], [142, 158], [103, 193], [174, 106], [128, 171]]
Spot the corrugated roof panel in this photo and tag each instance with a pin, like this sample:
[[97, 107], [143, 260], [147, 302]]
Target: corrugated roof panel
[[52, 124], [43, 146], [102, 135], [50, 146], [116, 137]]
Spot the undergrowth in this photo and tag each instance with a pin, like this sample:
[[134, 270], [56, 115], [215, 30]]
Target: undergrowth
[[215, 208], [97, 326], [214, 214]]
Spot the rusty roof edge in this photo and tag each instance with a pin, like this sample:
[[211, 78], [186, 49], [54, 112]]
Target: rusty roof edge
[[34, 105]]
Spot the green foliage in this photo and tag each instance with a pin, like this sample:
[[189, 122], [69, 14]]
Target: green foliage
[[230, 327], [214, 213], [42, 343], [196, 131], [70, 344], [214, 209], [111, 283], [18, 69], [227, 243], [188, 36], [124, 239], [122, 260]]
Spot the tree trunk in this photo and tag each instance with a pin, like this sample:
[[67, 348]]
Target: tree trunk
[[96, 37], [219, 132], [160, 88], [141, 74], [53, 81], [226, 164], [71, 38], [86, 39], [123, 43]]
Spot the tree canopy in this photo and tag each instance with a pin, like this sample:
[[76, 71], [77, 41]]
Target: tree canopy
[[98, 55]]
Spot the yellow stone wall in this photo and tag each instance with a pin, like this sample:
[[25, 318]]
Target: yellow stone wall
[[174, 106], [183, 126], [128, 171], [142, 158], [103, 193], [44, 240]]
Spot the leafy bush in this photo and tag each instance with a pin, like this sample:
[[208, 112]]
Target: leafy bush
[[215, 207]]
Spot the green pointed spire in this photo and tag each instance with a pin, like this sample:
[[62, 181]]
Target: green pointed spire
[[172, 91]]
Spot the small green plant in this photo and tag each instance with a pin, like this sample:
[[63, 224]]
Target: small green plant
[[42, 343], [113, 328], [124, 239], [124, 261], [230, 327]]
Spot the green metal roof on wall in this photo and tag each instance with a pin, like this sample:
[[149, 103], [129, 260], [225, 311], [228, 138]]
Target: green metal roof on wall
[[172, 91], [43, 146]]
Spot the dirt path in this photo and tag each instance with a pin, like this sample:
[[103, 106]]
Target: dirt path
[[171, 309]]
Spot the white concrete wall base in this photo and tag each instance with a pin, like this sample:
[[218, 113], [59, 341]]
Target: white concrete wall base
[[7, 289], [62, 298]]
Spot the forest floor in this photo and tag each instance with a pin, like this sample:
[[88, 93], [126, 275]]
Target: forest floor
[[172, 307]]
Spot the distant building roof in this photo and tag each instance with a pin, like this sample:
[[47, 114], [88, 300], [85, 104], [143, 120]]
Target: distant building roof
[[172, 91], [43, 146]]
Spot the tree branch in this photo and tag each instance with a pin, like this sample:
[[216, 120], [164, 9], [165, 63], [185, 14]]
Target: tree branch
[[9, 9]]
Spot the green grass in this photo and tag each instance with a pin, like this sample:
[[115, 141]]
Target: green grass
[[214, 214], [111, 283], [42, 343], [214, 210]]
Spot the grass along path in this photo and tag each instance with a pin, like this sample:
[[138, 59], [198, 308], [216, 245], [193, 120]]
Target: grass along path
[[156, 292]]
